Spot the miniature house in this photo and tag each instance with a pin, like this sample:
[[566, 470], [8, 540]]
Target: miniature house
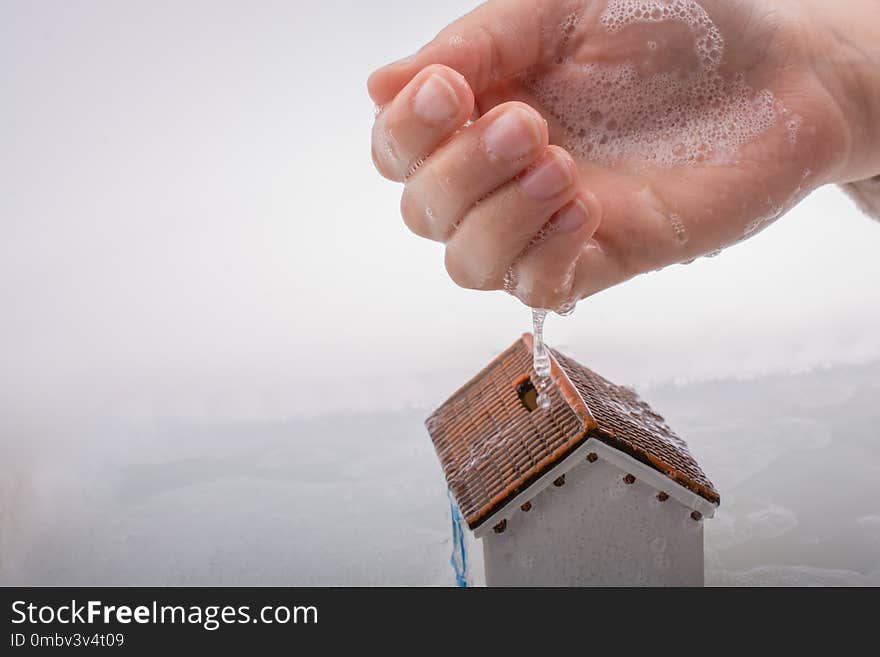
[[595, 490]]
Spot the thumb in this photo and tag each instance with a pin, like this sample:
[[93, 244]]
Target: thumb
[[497, 39]]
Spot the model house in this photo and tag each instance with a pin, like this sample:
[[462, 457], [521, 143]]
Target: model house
[[595, 490]]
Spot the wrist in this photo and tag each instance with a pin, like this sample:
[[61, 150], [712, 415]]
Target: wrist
[[845, 55]]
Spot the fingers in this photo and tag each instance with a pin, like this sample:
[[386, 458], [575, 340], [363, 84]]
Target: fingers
[[499, 228], [545, 274], [470, 166], [432, 107], [498, 39]]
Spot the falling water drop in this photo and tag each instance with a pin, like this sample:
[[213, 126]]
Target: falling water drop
[[541, 358]]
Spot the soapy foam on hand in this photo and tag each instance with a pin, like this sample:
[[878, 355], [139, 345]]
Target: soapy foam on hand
[[614, 112]]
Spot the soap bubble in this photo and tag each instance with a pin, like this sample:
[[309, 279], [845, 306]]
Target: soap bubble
[[668, 118]]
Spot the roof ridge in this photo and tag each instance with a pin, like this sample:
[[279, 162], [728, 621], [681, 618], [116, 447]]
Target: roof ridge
[[560, 377]]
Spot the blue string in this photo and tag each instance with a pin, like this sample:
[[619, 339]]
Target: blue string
[[459, 550]]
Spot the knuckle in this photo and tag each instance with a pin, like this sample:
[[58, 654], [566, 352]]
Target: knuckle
[[463, 272], [457, 271], [412, 209], [384, 154], [382, 167], [433, 204], [468, 272]]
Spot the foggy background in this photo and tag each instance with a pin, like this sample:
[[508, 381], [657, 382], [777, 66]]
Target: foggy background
[[218, 340]]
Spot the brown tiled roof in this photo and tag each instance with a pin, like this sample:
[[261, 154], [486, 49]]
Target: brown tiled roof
[[492, 447]]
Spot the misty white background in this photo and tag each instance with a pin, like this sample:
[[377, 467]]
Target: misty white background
[[195, 247]]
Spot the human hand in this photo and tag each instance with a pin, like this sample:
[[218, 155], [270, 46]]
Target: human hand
[[614, 137]]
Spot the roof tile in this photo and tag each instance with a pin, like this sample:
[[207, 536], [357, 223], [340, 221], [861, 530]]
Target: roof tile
[[491, 447]]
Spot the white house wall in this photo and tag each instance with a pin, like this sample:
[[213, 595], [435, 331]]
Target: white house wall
[[597, 530], [476, 572]]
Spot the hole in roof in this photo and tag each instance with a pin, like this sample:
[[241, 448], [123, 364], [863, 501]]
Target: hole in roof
[[527, 394]]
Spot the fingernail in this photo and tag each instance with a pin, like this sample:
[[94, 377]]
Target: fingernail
[[571, 218], [547, 179], [436, 101], [511, 136]]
